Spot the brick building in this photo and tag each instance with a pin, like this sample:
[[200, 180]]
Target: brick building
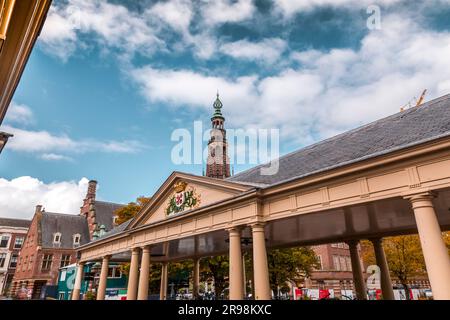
[[12, 236], [52, 240], [335, 271]]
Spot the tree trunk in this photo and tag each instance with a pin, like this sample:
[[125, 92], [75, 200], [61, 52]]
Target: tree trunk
[[405, 286]]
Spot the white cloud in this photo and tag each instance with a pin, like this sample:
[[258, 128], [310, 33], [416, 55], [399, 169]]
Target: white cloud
[[176, 13], [269, 50], [19, 113], [291, 7], [19, 196], [329, 92], [223, 11], [44, 142], [114, 26], [55, 157]]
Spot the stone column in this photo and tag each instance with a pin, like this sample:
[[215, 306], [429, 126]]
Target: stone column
[[133, 275], [164, 280], [358, 278], [144, 274], [196, 278], [78, 281], [434, 250], [103, 278], [260, 266], [235, 274], [385, 278]]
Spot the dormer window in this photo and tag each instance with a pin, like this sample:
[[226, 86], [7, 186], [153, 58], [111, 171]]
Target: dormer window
[[57, 238], [76, 240]]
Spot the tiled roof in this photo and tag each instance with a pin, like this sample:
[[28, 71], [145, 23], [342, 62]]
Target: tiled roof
[[66, 224], [15, 223], [411, 127], [104, 213]]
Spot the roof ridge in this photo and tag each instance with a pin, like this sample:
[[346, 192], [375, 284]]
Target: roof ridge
[[62, 214], [108, 202], [405, 112]]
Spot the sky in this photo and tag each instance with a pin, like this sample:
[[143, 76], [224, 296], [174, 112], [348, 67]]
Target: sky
[[109, 81]]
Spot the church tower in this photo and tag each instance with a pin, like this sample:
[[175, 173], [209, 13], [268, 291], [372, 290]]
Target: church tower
[[218, 163]]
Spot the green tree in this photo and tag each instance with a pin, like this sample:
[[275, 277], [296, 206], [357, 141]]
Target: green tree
[[216, 268], [290, 264]]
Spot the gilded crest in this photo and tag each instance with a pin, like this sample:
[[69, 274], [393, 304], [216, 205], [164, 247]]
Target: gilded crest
[[183, 198]]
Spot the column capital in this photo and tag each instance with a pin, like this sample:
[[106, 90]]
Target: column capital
[[352, 242], [108, 256], [234, 229], [426, 195], [377, 240], [135, 250], [257, 225], [146, 248], [421, 200]]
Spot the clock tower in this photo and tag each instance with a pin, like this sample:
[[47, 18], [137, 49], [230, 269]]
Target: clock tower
[[218, 163]]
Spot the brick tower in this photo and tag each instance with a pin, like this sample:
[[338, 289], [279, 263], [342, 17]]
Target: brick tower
[[218, 163]]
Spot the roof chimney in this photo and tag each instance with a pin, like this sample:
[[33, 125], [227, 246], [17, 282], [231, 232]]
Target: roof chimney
[[38, 209], [92, 189]]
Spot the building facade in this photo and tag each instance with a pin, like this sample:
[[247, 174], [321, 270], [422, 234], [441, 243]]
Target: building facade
[[12, 236], [52, 241]]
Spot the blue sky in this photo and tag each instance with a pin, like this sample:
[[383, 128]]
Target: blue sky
[[109, 81]]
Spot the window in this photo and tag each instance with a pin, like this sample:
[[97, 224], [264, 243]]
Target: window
[[18, 242], [57, 238], [2, 259], [63, 275], [336, 263], [30, 262], [319, 261], [343, 263], [46, 262], [61, 296], [349, 263], [4, 241], [13, 261], [114, 272], [65, 260], [76, 240]]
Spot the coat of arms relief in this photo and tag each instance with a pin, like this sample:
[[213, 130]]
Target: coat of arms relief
[[184, 198]]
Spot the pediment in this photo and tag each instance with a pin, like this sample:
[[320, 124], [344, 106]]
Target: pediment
[[182, 193]]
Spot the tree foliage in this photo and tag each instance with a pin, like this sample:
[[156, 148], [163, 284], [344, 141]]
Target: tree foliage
[[290, 264], [216, 268], [403, 254], [130, 210]]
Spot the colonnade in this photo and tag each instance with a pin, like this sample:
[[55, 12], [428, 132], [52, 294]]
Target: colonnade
[[434, 250]]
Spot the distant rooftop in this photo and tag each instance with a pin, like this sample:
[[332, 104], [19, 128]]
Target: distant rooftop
[[15, 223]]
